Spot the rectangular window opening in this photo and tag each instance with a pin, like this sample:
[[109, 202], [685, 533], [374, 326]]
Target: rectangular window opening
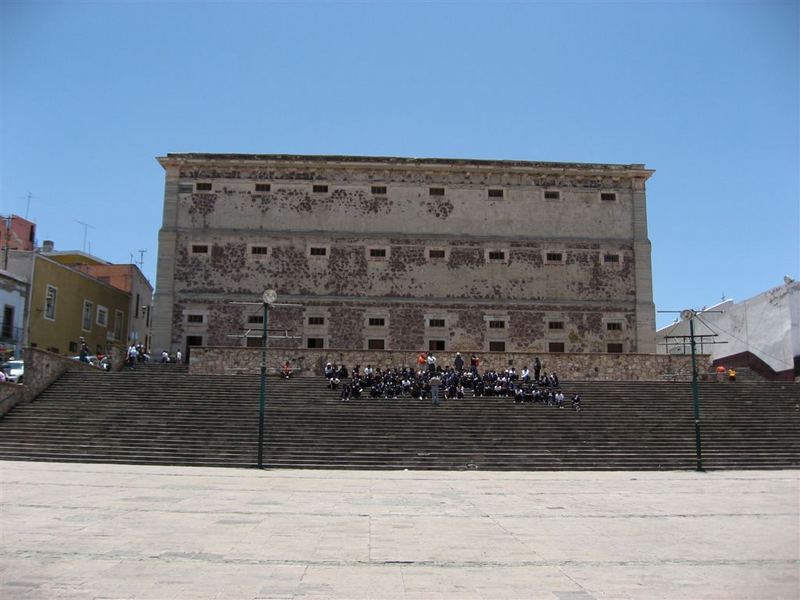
[[614, 348], [318, 251], [320, 189], [377, 252], [436, 323], [555, 347], [50, 303], [613, 326], [436, 191], [611, 258], [375, 344], [379, 190], [497, 346], [497, 324], [608, 196], [377, 322], [555, 325], [253, 342], [495, 193], [255, 319], [552, 195], [436, 253], [259, 250], [185, 188], [555, 257], [194, 318], [263, 187], [88, 310], [436, 345], [497, 255], [316, 320], [199, 248], [315, 343], [202, 186]]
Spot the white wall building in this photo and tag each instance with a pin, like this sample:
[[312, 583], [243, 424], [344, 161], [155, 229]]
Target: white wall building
[[13, 302], [762, 333]]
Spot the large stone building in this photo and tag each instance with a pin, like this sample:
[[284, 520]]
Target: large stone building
[[405, 253]]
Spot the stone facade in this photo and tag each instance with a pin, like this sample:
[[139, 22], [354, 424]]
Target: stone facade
[[391, 253], [569, 366]]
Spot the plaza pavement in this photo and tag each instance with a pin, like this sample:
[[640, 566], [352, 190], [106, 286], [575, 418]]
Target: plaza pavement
[[121, 531]]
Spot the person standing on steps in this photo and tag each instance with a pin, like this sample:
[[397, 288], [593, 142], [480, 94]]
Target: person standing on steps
[[435, 383], [537, 368], [458, 363]]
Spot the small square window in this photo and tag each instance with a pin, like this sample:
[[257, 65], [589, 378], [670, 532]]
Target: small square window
[[555, 347], [375, 345], [495, 193], [199, 248], [497, 346], [436, 191], [316, 320], [377, 252], [315, 343], [259, 250], [318, 251], [377, 322], [194, 318], [185, 188], [555, 325], [554, 257], [202, 187], [435, 253], [255, 319], [263, 187], [194, 340], [498, 324], [73, 346], [497, 255], [320, 189], [608, 196], [614, 348], [611, 258], [552, 195], [435, 322], [378, 190], [253, 342], [614, 326], [436, 345]]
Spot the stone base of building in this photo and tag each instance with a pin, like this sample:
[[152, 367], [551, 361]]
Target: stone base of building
[[585, 366]]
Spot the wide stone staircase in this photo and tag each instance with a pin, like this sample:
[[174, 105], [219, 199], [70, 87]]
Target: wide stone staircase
[[160, 414]]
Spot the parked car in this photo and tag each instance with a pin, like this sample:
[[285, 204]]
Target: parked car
[[14, 370]]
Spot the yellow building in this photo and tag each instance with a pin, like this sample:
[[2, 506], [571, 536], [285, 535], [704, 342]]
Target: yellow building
[[67, 305]]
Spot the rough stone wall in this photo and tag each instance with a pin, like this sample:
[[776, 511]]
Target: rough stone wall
[[466, 326], [570, 367], [467, 274]]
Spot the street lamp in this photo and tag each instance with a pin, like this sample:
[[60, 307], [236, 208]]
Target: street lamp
[[267, 298]]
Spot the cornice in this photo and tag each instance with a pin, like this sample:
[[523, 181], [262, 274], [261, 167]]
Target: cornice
[[249, 162]]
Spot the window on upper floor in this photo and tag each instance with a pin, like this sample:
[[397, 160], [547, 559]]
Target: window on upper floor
[[552, 195], [495, 193], [378, 190], [320, 189], [202, 186], [436, 191], [263, 187], [608, 196]]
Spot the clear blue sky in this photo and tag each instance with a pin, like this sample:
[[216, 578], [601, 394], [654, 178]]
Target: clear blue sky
[[704, 93]]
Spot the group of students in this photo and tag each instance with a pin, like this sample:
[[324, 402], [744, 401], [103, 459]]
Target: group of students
[[451, 382]]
